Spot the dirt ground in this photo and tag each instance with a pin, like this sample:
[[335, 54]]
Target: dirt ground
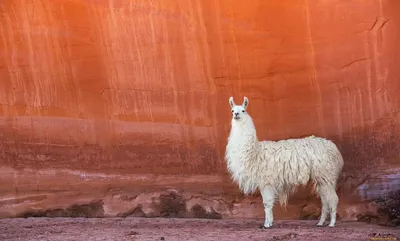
[[184, 229]]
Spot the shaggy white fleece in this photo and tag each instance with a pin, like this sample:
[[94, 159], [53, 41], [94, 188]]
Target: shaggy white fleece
[[277, 168]]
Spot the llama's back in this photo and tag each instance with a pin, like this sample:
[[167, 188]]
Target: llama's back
[[293, 162]]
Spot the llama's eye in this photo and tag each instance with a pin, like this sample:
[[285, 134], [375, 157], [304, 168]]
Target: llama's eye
[[243, 111], [232, 111]]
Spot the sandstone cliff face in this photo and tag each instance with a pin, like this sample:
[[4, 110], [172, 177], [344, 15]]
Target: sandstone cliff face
[[106, 104]]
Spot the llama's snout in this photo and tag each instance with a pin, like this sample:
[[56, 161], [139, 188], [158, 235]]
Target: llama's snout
[[236, 115]]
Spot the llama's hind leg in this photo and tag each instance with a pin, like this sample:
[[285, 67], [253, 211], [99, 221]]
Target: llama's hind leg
[[330, 201], [333, 202], [268, 198], [324, 210]]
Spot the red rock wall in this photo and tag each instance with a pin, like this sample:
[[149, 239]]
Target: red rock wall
[[102, 101]]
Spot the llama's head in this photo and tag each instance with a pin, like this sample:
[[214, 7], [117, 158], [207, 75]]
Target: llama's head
[[239, 112]]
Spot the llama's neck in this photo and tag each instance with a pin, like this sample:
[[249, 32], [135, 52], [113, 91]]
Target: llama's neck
[[243, 133], [243, 146]]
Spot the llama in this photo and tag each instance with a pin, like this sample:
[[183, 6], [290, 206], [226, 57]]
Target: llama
[[277, 168]]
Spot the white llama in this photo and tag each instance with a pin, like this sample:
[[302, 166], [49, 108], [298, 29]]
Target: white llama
[[276, 168]]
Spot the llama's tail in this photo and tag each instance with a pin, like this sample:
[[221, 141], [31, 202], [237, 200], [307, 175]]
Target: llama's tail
[[284, 194], [283, 200]]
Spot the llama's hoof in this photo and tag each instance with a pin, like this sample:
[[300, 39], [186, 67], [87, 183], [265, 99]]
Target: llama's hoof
[[331, 225], [263, 227], [319, 225]]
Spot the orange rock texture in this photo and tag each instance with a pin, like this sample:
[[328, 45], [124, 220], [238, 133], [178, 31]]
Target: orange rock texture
[[120, 107]]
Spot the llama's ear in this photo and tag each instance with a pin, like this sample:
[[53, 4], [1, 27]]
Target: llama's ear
[[231, 102], [245, 102]]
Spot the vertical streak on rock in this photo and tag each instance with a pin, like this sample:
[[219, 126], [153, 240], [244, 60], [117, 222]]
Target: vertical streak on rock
[[205, 45], [368, 70], [212, 104], [182, 91], [338, 115], [34, 70], [156, 61], [11, 77], [380, 76], [361, 109], [139, 72], [221, 45], [103, 41], [236, 49], [207, 61], [313, 77]]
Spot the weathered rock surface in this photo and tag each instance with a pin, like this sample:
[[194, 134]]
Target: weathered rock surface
[[107, 104]]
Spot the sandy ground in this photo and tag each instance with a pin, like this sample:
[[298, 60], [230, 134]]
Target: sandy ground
[[184, 229]]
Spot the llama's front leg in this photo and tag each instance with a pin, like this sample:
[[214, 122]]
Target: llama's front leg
[[268, 198]]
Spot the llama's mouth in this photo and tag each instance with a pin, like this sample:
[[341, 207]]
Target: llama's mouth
[[236, 117]]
